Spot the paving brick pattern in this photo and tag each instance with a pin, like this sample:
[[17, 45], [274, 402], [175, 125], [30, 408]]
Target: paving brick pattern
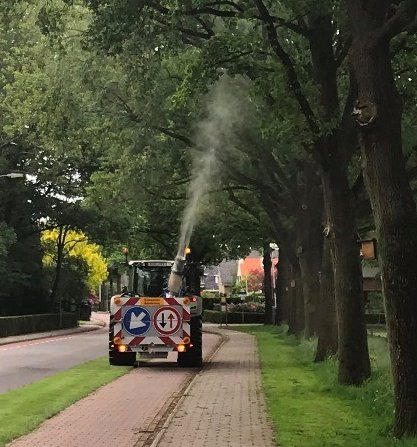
[[224, 406], [165, 406], [122, 414]]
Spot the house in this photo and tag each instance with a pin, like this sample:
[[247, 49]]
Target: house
[[221, 277], [224, 276], [253, 262]]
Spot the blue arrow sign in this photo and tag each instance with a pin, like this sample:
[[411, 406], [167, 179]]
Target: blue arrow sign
[[137, 320]]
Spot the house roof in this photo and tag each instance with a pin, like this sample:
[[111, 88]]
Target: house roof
[[228, 272], [210, 273], [248, 265]]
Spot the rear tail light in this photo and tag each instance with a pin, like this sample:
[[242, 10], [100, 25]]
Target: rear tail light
[[181, 348], [193, 299], [122, 348]]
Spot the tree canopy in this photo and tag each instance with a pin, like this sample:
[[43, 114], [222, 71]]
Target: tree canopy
[[227, 125]]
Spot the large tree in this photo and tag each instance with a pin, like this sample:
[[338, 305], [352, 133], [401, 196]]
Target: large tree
[[378, 112], [247, 38]]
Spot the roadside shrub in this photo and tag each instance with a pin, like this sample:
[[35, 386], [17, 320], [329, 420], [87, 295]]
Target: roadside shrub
[[27, 324], [250, 307], [251, 297], [212, 316], [210, 294]]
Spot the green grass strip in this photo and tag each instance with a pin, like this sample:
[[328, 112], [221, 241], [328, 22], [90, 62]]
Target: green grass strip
[[309, 409], [24, 409]]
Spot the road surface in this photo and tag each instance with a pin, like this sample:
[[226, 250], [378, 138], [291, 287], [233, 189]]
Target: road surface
[[25, 362], [125, 413]]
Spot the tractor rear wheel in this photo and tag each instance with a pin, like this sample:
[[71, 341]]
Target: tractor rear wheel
[[117, 358], [122, 358]]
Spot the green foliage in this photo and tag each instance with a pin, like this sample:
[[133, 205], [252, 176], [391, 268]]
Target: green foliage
[[7, 238], [73, 288], [375, 303], [252, 283]]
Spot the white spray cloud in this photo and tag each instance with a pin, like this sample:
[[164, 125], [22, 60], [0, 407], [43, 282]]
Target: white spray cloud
[[215, 135]]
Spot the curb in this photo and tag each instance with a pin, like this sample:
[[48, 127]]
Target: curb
[[173, 407], [58, 333]]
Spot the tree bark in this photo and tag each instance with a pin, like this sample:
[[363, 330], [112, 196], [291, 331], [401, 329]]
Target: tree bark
[[282, 309], [296, 321], [378, 113], [354, 364], [60, 245], [310, 240], [327, 335], [267, 286]]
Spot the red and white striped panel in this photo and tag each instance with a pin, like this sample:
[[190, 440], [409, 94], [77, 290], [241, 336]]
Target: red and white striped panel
[[137, 341], [117, 331], [171, 340], [186, 316]]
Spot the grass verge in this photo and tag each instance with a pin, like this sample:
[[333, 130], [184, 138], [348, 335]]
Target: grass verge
[[24, 409], [309, 409]]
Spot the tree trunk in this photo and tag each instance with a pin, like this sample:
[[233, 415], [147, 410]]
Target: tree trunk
[[296, 322], [310, 240], [282, 308], [354, 364], [288, 258], [379, 113], [327, 324], [267, 286], [60, 244]]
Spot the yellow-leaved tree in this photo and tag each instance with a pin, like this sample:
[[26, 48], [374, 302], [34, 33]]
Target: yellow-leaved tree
[[63, 244]]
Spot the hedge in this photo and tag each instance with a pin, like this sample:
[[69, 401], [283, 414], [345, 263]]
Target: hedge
[[27, 324], [375, 318], [213, 316]]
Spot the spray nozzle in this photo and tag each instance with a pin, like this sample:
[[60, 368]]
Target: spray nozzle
[[178, 266], [175, 278]]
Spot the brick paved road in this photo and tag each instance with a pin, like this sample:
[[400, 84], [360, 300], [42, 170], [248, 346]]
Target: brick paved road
[[121, 414], [224, 406]]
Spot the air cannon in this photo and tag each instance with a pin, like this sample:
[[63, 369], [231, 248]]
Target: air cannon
[[175, 278]]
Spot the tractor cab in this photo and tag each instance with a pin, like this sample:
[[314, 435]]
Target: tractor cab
[[149, 278]]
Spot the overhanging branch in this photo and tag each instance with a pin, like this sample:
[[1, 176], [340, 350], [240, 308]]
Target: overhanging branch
[[404, 16], [288, 65]]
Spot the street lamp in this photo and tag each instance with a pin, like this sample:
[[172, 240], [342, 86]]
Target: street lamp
[[125, 251], [13, 175]]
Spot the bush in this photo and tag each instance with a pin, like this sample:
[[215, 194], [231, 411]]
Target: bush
[[209, 302], [251, 297], [250, 303], [210, 294], [28, 324], [375, 318], [250, 307], [212, 316]]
